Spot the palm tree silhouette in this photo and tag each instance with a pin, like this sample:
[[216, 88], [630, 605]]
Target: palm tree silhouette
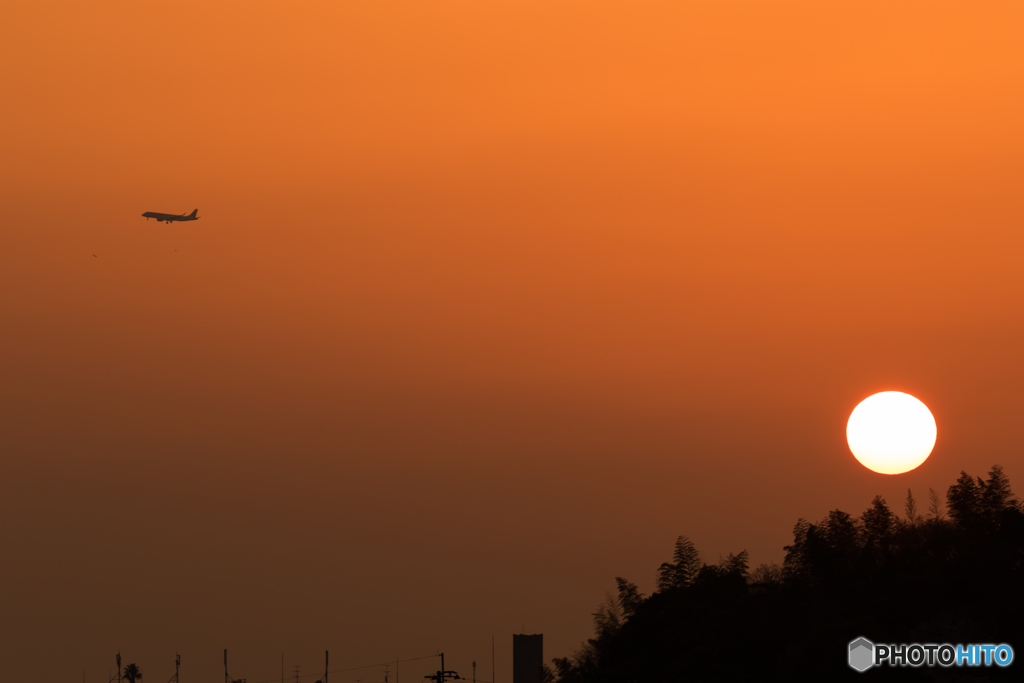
[[132, 672]]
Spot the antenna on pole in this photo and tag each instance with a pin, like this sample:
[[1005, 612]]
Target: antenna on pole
[[443, 675], [177, 667], [228, 679], [327, 660]]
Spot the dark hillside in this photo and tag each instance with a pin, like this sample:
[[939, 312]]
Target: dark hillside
[[953, 576]]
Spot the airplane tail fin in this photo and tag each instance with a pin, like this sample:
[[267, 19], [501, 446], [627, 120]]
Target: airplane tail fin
[[193, 214]]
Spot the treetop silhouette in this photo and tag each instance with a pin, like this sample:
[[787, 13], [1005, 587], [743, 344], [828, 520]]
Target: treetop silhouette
[[932, 578]]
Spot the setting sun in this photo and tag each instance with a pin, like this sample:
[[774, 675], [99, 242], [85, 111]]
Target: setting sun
[[891, 432]]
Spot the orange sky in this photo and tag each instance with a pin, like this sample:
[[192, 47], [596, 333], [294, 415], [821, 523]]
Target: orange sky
[[488, 303]]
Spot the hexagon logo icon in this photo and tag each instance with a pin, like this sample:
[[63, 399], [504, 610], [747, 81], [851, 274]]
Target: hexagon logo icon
[[862, 654]]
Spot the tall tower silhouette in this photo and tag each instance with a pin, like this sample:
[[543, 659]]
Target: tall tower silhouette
[[527, 657]]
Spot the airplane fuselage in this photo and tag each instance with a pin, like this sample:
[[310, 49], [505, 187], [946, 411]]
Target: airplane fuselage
[[171, 217]]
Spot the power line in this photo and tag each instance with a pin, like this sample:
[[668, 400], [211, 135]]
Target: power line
[[357, 668]]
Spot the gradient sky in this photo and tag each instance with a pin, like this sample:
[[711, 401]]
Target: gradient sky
[[488, 303]]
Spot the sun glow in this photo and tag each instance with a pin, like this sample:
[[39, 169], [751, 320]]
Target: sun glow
[[891, 432]]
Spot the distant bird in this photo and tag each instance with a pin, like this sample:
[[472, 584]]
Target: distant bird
[[94, 255]]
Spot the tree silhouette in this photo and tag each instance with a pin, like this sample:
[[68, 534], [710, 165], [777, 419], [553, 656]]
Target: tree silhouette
[[737, 565], [683, 569], [630, 597], [878, 521], [996, 495], [132, 672], [795, 565], [766, 577], [910, 507], [607, 617], [964, 499], [934, 579], [936, 509]]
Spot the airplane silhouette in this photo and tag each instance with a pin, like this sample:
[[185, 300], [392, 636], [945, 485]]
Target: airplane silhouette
[[169, 217]]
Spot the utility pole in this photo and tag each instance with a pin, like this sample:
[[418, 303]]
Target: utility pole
[[177, 666], [385, 673], [118, 667], [443, 675], [327, 660], [228, 679], [296, 673], [474, 672]]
